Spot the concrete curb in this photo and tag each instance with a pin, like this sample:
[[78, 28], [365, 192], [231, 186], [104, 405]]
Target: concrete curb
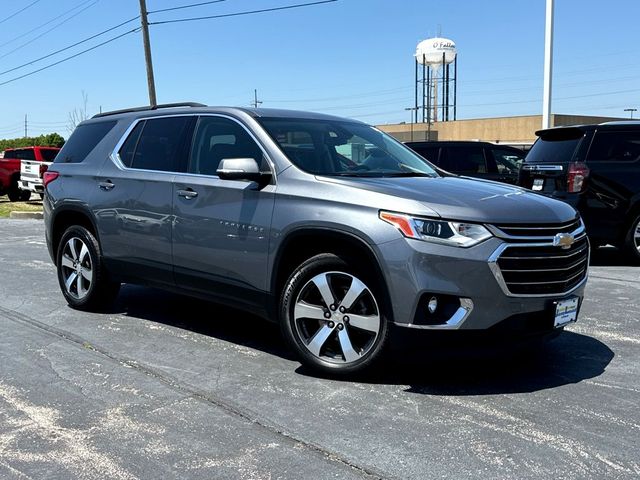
[[26, 215]]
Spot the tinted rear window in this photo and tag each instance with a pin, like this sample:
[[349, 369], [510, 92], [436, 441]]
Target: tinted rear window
[[556, 146], [82, 141], [21, 153], [48, 155]]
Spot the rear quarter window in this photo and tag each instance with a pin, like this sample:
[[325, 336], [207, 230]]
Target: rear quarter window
[[82, 142], [615, 146]]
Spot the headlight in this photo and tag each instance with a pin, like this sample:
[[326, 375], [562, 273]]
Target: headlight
[[458, 234]]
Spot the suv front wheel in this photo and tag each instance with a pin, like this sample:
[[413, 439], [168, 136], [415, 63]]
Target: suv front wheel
[[83, 280], [333, 316]]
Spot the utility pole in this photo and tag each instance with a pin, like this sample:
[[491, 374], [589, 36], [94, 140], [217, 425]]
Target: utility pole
[[25, 126], [631, 110], [147, 53], [255, 102], [548, 66]]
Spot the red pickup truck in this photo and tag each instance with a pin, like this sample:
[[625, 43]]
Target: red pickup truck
[[10, 161]]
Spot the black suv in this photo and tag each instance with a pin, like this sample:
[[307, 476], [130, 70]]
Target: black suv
[[473, 159], [596, 169]]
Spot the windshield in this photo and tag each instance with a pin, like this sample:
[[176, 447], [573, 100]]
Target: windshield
[[328, 147]]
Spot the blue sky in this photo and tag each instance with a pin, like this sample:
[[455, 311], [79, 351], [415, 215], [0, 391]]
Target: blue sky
[[352, 58]]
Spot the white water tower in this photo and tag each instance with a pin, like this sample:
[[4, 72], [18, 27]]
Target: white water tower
[[432, 54], [435, 52]]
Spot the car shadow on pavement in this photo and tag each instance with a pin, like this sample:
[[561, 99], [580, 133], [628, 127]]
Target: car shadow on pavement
[[610, 257], [570, 358], [201, 317]]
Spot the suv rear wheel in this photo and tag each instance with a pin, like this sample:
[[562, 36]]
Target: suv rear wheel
[[333, 315], [83, 280], [632, 240]]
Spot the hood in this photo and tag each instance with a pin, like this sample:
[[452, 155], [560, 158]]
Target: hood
[[472, 200]]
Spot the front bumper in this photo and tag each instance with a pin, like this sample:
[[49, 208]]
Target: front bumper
[[416, 270]]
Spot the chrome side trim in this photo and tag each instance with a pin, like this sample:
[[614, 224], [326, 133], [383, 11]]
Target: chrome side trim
[[543, 168], [457, 319]]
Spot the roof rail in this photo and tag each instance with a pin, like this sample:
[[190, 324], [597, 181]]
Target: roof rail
[[143, 109]]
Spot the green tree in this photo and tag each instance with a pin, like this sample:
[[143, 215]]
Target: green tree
[[49, 140]]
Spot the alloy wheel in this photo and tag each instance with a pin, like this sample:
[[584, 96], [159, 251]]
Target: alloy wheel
[[77, 269], [337, 317]]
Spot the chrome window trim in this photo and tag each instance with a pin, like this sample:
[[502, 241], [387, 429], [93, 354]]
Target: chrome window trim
[[115, 153], [497, 273], [454, 323]]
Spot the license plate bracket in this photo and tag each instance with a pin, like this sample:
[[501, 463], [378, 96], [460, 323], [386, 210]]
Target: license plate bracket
[[538, 184], [566, 311]]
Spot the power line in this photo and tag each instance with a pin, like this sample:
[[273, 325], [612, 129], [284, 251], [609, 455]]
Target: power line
[[69, 47], [19, 11], [47, 31], [24, 34], [185, 6], [70, 57], [248, 12]]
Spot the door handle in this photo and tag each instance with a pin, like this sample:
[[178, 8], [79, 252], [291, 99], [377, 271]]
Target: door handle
[[188, 194], [106, 185]]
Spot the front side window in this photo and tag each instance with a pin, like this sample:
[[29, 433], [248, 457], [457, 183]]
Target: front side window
[[218, 139], [343, 148], [615, 146], [161, 145]]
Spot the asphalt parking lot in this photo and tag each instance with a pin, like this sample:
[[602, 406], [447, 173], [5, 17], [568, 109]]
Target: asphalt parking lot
[[165, 386]]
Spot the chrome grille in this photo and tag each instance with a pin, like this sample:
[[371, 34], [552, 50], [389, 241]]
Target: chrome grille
[[530, 264], [529, 232]]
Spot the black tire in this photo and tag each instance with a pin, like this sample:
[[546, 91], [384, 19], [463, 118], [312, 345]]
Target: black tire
[[632, 241], [14, 194], [25, 195], [367, 341], [92, 288]]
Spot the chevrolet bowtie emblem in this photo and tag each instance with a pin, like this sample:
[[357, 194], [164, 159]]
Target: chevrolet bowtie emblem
[[563, 240]]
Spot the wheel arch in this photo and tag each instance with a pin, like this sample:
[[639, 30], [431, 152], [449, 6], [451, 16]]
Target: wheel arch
[[303, 243], [67, 216]]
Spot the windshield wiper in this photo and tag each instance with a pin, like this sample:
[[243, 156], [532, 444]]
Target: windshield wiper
[[410, 174]]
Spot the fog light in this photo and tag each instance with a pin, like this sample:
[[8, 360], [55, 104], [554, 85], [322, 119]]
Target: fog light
[[432, 305]]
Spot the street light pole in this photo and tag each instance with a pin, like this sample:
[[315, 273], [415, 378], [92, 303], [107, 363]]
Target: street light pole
[[631, 110], [548, 66], [412, 109], [147, 53]]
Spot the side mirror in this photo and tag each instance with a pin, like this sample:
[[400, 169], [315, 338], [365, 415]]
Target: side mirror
[[241, 169]]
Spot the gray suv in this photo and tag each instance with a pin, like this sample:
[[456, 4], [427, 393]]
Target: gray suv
[[325, 225]]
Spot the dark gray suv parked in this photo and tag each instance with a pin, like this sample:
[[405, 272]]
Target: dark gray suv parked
[[323, 224]]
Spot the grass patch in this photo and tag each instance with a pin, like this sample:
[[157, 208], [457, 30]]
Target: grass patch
[[6, 207]]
